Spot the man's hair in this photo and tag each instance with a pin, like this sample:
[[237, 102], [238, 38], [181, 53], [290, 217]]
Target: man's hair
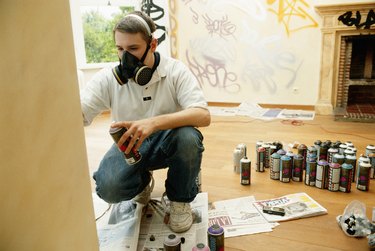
[[131, 24]]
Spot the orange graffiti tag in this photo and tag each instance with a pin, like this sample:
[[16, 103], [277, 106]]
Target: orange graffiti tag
[[288, 12]]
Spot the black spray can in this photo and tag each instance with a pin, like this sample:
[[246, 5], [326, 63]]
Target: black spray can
[[297, 170], [346, 178], [285, 168], [275, 166], [266, 147], [323, 151], [310, 173], [302, 149], [215, 238], [352, 160], [172, 243], [363, 176], [133, 156], [245, 169], [322, 174], [278, 145], [260, 159], [371, 156]]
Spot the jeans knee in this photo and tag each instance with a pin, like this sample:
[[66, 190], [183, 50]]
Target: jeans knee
[[105, 189], [189, 138]]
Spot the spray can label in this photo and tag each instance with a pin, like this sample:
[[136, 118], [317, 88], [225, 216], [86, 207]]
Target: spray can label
[[133, 156], [245, 171]]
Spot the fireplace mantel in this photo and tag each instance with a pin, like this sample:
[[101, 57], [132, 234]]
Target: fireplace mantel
[[333, 31]]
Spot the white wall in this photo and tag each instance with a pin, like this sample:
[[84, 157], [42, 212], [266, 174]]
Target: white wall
[[259, 51]]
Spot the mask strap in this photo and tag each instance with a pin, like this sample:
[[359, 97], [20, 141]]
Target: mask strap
[[157, 61], [145, 54]]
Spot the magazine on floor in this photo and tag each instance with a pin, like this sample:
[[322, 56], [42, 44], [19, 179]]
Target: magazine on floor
[[238, 217], [289, 207]]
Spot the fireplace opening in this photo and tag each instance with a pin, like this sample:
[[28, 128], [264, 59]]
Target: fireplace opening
[[358, 86], [363, 60]]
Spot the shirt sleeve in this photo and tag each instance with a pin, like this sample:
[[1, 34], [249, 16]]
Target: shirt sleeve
[[95, 97]]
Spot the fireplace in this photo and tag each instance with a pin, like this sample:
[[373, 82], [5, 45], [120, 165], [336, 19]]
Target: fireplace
[[347, 80]]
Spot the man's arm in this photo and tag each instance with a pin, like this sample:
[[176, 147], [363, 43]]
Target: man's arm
[[141, 129]]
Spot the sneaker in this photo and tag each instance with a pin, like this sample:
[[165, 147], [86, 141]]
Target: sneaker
[[145, 196], [181, 217]]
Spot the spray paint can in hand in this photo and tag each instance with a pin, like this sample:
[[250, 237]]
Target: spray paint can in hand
[[172, 243], [133, 156], [245, 169]]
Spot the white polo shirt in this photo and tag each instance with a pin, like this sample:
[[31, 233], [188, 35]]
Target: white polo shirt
[[172, 88]]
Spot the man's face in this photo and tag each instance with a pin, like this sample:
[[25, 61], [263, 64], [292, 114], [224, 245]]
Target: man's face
[[132, 43]]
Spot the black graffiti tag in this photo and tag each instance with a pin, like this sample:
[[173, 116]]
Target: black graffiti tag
[[348, 20], [156, 13]]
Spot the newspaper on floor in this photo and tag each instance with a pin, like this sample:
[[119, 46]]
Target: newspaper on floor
[[253, 110], [118, 228], [297, 205], [153, 229], [131, 226], [238, 217]]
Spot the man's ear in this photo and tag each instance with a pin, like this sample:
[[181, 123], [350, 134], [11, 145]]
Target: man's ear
[[154, 44]]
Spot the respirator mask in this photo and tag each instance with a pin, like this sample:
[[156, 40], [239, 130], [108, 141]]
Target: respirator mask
[[131, 67]]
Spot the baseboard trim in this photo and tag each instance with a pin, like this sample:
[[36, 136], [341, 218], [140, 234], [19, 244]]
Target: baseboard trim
[[282, 106]]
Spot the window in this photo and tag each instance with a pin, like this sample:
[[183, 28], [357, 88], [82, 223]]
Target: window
[[93, 21]]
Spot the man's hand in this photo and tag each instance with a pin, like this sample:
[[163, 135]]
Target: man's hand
[[137, 132]]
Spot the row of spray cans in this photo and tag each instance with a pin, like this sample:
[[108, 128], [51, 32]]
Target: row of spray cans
[[215, 240], [311, 165]]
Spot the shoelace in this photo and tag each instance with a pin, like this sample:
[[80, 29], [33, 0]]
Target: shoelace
[[178, 207], [165, 204]]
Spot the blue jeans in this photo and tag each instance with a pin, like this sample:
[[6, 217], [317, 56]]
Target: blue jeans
[[178, 149]]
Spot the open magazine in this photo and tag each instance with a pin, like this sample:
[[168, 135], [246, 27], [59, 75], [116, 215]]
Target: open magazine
[[297, 205], [238, 217]]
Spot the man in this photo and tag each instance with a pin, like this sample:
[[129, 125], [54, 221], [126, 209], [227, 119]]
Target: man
[[158, 101]]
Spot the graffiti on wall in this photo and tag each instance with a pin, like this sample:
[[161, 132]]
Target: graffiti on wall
[[226, 49], [289, 10], [348, 19], [156, 13]]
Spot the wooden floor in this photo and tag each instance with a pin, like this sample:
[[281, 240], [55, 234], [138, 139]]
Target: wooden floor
[[220, 182]]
